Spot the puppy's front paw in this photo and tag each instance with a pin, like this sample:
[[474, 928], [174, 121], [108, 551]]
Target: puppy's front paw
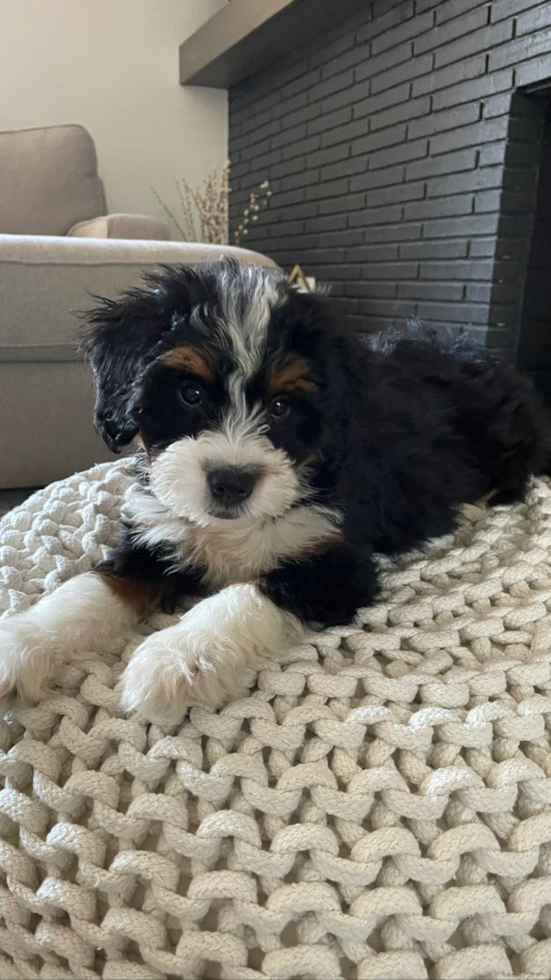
[[207, 657], [175, 668], [26, 661]]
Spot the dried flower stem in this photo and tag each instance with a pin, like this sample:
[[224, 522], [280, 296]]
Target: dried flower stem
[[204, 211], [252, 210], [169, 213]]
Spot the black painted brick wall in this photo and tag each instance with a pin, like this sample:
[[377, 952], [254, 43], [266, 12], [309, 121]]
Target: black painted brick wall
[[534, 354], [403, 160]]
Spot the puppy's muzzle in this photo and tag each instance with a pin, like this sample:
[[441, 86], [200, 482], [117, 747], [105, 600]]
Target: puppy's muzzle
[[230, 487]]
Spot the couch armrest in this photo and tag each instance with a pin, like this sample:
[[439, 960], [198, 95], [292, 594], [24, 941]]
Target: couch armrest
[[136, 226], [45, 394], [43, 278]]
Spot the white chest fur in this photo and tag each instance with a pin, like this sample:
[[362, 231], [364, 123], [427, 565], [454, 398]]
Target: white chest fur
[[231, 551]]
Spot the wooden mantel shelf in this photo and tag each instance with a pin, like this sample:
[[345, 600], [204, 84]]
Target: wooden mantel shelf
[[248, 35]]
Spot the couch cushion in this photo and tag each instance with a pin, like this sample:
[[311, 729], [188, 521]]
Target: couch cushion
[[122, 226], [48, 180]]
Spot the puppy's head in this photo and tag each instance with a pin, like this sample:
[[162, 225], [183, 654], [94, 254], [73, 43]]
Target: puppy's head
[[224, 373]]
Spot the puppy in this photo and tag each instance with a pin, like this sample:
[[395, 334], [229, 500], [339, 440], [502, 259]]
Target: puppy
[[278, 453]]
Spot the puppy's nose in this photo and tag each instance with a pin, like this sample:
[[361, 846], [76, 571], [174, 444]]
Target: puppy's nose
[[231, 485]]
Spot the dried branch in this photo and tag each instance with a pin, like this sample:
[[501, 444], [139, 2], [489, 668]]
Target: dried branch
[[252, 211], [204, 211]]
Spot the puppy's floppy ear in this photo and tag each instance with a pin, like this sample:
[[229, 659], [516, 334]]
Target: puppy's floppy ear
[[117, 344], [316, 329], [123, 336]]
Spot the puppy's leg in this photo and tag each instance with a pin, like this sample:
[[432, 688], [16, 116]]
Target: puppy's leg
[[326, 588], [86, 613], [206, 656]]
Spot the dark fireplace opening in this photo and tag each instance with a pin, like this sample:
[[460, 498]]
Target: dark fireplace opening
[[534, 347]]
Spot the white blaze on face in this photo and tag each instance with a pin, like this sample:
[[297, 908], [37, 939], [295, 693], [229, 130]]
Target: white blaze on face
[[179, 474], [245, 312], [241, 316]]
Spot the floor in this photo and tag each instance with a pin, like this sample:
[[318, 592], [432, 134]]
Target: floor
[[12, 498]]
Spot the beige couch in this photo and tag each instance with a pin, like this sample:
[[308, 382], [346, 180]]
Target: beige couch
[[57, 245]]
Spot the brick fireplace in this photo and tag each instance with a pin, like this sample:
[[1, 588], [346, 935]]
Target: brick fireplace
[[404, 151]]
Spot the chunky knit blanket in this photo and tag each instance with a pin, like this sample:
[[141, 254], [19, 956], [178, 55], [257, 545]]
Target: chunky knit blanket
[[378, 807]]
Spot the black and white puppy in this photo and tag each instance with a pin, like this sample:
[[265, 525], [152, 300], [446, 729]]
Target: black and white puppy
[[277, 454]]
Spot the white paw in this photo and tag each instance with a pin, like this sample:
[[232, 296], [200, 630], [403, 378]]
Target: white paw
[[207, 657], [173, 669], [26, 661]]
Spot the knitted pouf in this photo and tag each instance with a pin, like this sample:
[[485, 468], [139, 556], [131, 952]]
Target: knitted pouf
[[378, 807]]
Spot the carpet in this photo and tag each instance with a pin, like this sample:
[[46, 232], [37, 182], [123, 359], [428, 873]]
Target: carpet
[[378, 807]]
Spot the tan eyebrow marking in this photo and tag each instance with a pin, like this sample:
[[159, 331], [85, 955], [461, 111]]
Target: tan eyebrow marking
[[289, 375], [192, 359]]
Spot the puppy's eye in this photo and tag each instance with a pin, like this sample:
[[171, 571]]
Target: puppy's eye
[[191, 395], [280, 408]]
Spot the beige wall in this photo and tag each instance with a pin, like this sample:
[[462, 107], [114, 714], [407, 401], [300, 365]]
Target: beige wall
[[112, 65]]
